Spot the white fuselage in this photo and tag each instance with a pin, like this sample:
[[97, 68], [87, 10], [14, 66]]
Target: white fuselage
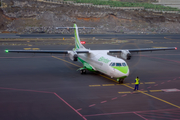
[[100, 62]]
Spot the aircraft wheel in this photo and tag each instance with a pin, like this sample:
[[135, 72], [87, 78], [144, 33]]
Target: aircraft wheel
[[84, 71], [122, 80]]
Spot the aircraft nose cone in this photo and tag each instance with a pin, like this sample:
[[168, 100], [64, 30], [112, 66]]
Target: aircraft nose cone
[[124, 69]]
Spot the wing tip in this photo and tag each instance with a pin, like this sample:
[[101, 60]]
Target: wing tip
[[6, 51]]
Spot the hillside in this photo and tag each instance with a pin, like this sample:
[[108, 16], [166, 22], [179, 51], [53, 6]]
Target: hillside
[[24, 16]]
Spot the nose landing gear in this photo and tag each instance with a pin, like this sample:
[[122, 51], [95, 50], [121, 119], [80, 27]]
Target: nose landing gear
[[120, 80]]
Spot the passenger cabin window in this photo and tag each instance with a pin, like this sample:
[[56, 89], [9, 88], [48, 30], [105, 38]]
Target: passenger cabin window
[[118, 64], [124, 64]]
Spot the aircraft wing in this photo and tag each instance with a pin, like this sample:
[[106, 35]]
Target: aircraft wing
[[45, 51], [143, 49]]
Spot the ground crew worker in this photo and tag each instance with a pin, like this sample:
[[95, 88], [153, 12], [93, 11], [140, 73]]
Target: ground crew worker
[[136, 84]]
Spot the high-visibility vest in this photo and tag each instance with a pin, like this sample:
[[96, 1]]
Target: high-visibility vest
[[137, 81]]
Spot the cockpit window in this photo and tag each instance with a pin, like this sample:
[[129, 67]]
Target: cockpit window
[[124, 64], [118, 64], [112, 64]]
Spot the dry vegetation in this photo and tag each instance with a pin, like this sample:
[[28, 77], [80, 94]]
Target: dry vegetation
[[24, 16]]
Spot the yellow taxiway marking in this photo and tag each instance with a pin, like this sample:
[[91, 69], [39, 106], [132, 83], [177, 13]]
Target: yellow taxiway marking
[[94, 85], [149, 83], [121, 84], [124, 92], [167, 38], [140, 91], [27, 48], [66, 61], [134, 83], [35, 48], [108, 85], [124, 83], [128, 86], [155, 97], [155, 90], [31, 48], [108, 78]]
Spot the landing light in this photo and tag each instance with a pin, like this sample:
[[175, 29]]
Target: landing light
[[83, 42]]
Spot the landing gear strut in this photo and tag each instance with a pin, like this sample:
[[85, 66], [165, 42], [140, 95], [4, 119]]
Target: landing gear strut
[[120, 80]]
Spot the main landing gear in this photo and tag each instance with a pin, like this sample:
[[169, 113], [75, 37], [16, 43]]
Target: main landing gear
[[83, 71], [120, 80]]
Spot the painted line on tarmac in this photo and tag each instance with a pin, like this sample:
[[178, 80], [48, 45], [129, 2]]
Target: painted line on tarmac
[[31, 49], [156, 98], [118, 84], [114, 98], [168, 38], [107, 84], [140, 91], [148, 111], [92, 105], [103, 101], [124, 92], [155, 90], [66, 61], [36, 91], [162, 59], [128, 86], [149, 83], [152, 96], [79, 109], [94, 85]]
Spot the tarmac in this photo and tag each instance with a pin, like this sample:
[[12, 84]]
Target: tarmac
[[49, 87]]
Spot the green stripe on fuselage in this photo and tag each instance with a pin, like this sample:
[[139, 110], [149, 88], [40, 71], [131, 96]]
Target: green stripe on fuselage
[[86, 65], [123, 69]]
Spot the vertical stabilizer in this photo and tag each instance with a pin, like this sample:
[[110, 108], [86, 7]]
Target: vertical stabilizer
[[78, 44]]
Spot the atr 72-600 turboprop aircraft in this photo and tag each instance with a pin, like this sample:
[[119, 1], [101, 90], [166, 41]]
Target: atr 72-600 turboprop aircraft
[[97, 60]]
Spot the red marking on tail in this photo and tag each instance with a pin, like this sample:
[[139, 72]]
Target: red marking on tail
[[83, 42]]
